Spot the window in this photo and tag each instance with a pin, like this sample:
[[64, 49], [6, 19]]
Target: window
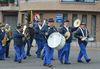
[[74, 17], [93, 26], [85, 1], [3, 1], [65, 16], [22, 19], [84, 18], [16, 2], [6, 1]]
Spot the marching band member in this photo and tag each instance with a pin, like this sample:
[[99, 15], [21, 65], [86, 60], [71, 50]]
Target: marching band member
[[24, 42], [81, 33], [2, 42], [40, 38], [8, 32], [63, 54], [30, 35], [49, 51], [18, 44]]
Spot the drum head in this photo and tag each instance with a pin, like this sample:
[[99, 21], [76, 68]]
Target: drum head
[[54, 39], [62, 43]]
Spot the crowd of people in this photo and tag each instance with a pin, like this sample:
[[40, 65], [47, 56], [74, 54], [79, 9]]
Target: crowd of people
[[40, 31]]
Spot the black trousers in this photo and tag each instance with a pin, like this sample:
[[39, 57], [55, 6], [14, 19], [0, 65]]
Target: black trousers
[[7, 49], [29, 45]]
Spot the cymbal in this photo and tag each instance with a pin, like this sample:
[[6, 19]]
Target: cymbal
[[67, 35]]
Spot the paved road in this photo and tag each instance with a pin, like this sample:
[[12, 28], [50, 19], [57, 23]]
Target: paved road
[[36, 63]]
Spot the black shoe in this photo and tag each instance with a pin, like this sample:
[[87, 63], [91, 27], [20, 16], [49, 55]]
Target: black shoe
[[24, 57], [45, 64], [50, 65], [52, 59], [2, 59], [38, 57], [32, 46], [20, 61], [42, 58], [67, 63], [88, 60], [29, 55], [15, 61], [80, 61], [61, 61], [7, 57]]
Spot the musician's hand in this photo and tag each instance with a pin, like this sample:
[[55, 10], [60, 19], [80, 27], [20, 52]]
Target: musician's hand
[[80, 37], [46, 33]]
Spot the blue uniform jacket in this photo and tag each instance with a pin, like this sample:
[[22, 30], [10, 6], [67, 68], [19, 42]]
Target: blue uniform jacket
[[63, 30], [50, 30], [78, 33], [1, 35], [18, 38], [35, 24], [40, 34]]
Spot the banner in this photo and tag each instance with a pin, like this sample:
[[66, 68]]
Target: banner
[[59, 18]]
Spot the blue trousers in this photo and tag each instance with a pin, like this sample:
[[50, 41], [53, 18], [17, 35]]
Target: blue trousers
[[63, 54], [0, 49], [2, 52], [48, 54], [23, 52], [40, 47], [19, 52], [82, 52]]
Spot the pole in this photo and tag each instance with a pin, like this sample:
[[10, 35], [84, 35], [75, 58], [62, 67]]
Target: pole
[[31, 16], [19, 13]]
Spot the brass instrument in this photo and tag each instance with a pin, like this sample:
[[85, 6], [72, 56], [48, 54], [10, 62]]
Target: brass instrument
[[8, 33], [4, 40], [67, 35], [24, 28], [77, 23], [25, 33]]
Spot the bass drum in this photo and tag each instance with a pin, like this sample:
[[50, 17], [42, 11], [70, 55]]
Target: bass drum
[[62, 43], [56, 40]]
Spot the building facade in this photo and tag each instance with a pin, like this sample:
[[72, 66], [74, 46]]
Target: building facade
[[86, 10], [9, 12]]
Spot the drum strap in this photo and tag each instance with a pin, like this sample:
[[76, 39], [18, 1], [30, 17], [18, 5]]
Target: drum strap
[[55, 29], [83, 34], [18, 31], [40, 27], [67, 28]]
